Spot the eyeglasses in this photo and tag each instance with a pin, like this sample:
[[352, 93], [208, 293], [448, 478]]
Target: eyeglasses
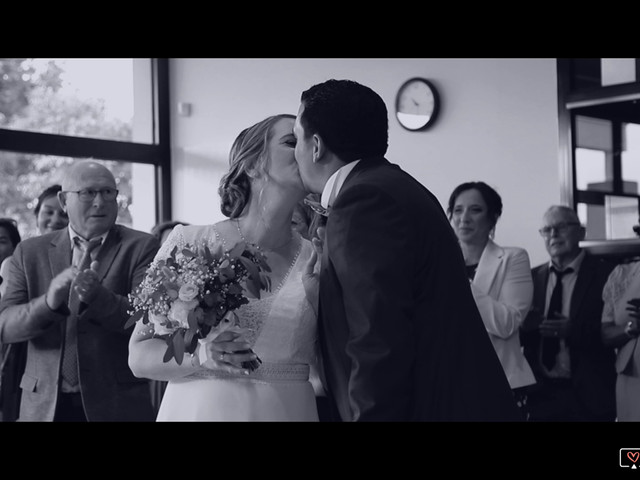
[[316, 207], [88, 194], [560, 228]]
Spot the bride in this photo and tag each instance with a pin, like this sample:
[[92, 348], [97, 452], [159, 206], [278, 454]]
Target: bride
[[258, 194]]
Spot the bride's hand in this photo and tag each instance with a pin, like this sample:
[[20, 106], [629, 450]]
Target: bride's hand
[[227, 352]]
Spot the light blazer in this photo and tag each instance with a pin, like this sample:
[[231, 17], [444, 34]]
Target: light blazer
[[109, 390], [400, 333], [503, 290]]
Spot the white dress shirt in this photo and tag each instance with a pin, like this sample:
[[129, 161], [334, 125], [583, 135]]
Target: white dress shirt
[[334, 184]]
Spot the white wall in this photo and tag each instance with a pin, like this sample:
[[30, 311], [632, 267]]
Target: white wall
[[497, 123]]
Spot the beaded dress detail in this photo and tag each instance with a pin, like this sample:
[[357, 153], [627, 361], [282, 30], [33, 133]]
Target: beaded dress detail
[[282, 332]]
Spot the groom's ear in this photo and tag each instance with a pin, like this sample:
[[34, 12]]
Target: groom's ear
[[319, 148]]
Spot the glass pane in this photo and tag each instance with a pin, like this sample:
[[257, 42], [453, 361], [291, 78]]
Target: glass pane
[[593, 218], [631, 157], [85, 97], [618, 70], [621, 214], [25, 176], [591, 172], [594, 154]]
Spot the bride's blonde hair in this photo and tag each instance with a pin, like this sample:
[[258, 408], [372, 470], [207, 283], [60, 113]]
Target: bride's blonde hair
[[248, 158]]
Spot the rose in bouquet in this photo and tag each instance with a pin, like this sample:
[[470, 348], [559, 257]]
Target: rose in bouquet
[[193, 293]]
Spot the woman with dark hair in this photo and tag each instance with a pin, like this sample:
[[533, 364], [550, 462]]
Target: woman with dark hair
[[9, 239], [9, 392], [49, 213], [258, 194], [500, 278]]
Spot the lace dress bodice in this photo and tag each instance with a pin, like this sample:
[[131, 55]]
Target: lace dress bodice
[[281, 324]]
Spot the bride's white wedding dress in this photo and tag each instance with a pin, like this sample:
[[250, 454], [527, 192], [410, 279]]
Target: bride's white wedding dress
[[283, 327]]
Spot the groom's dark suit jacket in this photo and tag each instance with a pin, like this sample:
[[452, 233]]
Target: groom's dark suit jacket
[[109, 390], [401, 336]]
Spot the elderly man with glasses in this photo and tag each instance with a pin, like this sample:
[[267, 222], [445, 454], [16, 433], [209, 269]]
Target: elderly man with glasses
[[68, 297], [560, 336]]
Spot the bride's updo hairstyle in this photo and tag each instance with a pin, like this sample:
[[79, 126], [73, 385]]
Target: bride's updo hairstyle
[[248, 158]]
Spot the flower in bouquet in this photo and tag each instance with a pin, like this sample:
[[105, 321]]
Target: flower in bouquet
[[193, 293]]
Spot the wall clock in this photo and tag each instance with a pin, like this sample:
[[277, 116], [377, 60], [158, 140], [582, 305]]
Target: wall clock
[[417, 104]]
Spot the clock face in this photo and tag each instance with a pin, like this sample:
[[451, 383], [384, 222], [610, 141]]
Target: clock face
[[416, 104]]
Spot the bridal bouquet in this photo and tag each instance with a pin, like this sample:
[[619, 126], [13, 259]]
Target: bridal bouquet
[[195, 291]]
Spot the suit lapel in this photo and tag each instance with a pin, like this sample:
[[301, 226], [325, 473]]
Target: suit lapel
[[540, 289], [488, 267], [60, 252], [585, 275]]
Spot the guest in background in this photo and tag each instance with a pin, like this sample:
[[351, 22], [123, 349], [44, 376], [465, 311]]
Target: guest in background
[[68, 297], [162, 230], [49, 217], [500, 279], [620, 330], [9, 239], [49, 213], [561, 335]]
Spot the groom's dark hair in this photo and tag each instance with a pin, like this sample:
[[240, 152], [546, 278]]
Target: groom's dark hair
[[351, 118]]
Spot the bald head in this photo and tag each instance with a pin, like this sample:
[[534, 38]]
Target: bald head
[[568, 213], [89, 216], [87, 171]]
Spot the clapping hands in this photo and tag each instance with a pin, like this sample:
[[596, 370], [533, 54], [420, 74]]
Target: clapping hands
[[83, 279]]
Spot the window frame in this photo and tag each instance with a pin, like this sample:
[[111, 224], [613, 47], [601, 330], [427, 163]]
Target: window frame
[[573, 102], [158, 153]]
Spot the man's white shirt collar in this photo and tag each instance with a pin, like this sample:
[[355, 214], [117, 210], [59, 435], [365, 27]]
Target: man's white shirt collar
[[72, 234], [334, 184]]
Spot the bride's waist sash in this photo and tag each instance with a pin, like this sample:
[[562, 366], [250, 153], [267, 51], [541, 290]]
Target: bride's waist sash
[[267, 372]]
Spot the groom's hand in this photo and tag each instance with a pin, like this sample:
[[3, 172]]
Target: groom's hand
[[228, 351], [310, 280], [318, 240]]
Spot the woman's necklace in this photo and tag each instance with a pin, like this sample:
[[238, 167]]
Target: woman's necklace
[[256, 243]]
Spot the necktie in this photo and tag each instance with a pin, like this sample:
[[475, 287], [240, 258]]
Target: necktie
[[82, 259], [550, 345]]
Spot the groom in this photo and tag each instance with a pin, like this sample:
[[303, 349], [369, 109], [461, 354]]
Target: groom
[[401, 337]]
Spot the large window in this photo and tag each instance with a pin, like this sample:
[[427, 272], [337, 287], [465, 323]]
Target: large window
[[54, 112], [599, 119]]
